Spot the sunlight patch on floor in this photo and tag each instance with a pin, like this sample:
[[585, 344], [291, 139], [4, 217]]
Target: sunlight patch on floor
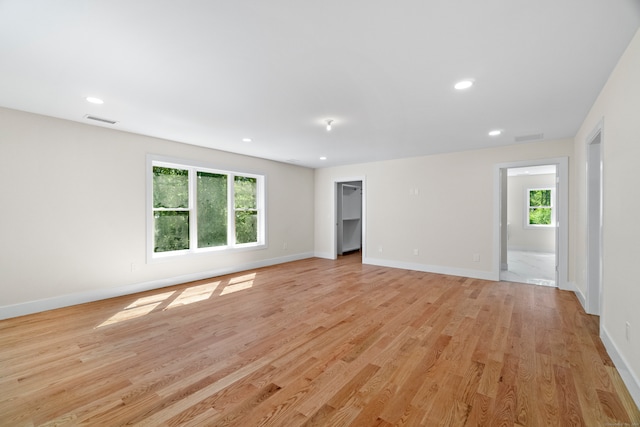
[[145, 301], [138, 308], [145, 305], [239, 283], [194, 294]]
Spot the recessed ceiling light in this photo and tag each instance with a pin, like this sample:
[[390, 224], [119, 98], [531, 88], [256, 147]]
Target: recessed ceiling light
[[464, 84], [323, 158], [246, 140], [495, 132], [329, 122], [94, 100]]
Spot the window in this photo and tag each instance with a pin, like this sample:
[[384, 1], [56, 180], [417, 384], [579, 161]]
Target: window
[[540, 211], [246, 209], [196, 209]]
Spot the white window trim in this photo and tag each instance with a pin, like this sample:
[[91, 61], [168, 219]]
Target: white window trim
[[193, 166], [526, 208]]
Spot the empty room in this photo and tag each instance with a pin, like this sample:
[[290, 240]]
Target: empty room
[[251, 213]]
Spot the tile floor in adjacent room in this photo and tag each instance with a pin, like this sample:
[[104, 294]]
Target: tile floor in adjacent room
[[537, 268]]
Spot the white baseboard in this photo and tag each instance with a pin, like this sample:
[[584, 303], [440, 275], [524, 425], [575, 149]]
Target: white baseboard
[[475, 274], [583, 300], [628, 376], [37, 306], [325, 255]]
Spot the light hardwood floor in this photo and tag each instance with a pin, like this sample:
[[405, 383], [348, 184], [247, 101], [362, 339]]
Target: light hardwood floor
[[315, 342]]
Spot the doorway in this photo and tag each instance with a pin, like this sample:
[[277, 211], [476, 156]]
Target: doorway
[[349, 216], [594, 221], [531, 237], [532, 233]]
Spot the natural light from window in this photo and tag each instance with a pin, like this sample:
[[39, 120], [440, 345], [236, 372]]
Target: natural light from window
[[140, 307], [169, 300], [194, 294], [239, 284]]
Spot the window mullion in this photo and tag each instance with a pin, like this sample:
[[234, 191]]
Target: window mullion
[[231, 221], [193, 215]]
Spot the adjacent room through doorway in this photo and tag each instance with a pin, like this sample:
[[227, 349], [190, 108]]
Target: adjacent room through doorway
[[531, 219]]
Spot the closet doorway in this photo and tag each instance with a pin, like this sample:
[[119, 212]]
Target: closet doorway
[[349, 217]]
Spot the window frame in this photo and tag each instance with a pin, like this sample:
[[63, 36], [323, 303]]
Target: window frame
[[193, 167], [528, 207]]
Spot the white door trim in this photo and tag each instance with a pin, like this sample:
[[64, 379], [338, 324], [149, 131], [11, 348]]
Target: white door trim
[[334, 229], [594, 253]]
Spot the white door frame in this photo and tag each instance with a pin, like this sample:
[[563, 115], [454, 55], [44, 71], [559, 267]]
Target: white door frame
[[363, 220], [594, 184], [562, 211]]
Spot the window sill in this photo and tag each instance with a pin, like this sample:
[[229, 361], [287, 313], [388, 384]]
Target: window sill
[[180, 255]]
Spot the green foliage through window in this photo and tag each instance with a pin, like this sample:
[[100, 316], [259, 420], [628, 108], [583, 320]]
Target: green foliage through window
[[540, 207], [170, 188], [171, 231], [177, 220], [245, 190], [171, 199], [212, 209], [246, 227]]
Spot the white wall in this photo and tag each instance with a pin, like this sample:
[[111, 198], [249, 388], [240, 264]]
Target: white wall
[[618, 105], [451, 218], [73, 219], [521, 237]]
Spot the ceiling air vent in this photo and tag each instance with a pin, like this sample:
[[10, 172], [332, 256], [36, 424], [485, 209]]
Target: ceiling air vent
[[100, 119], [526, 138]]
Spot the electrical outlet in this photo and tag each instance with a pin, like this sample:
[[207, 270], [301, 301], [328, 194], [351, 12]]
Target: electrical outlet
[[416, 252], [476, 257], [380, 248], [628, 331], [134, 267], [284, 246]]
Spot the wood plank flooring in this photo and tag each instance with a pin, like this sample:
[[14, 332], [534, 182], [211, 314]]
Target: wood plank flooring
[[315, 343]]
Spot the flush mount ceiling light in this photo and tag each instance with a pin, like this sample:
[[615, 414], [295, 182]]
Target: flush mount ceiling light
[[94, 100], [323, 158], [246, 140], [464, 84], [495, 132], [329, 122]]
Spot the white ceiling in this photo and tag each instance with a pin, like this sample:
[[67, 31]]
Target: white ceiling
[[211, 72]]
